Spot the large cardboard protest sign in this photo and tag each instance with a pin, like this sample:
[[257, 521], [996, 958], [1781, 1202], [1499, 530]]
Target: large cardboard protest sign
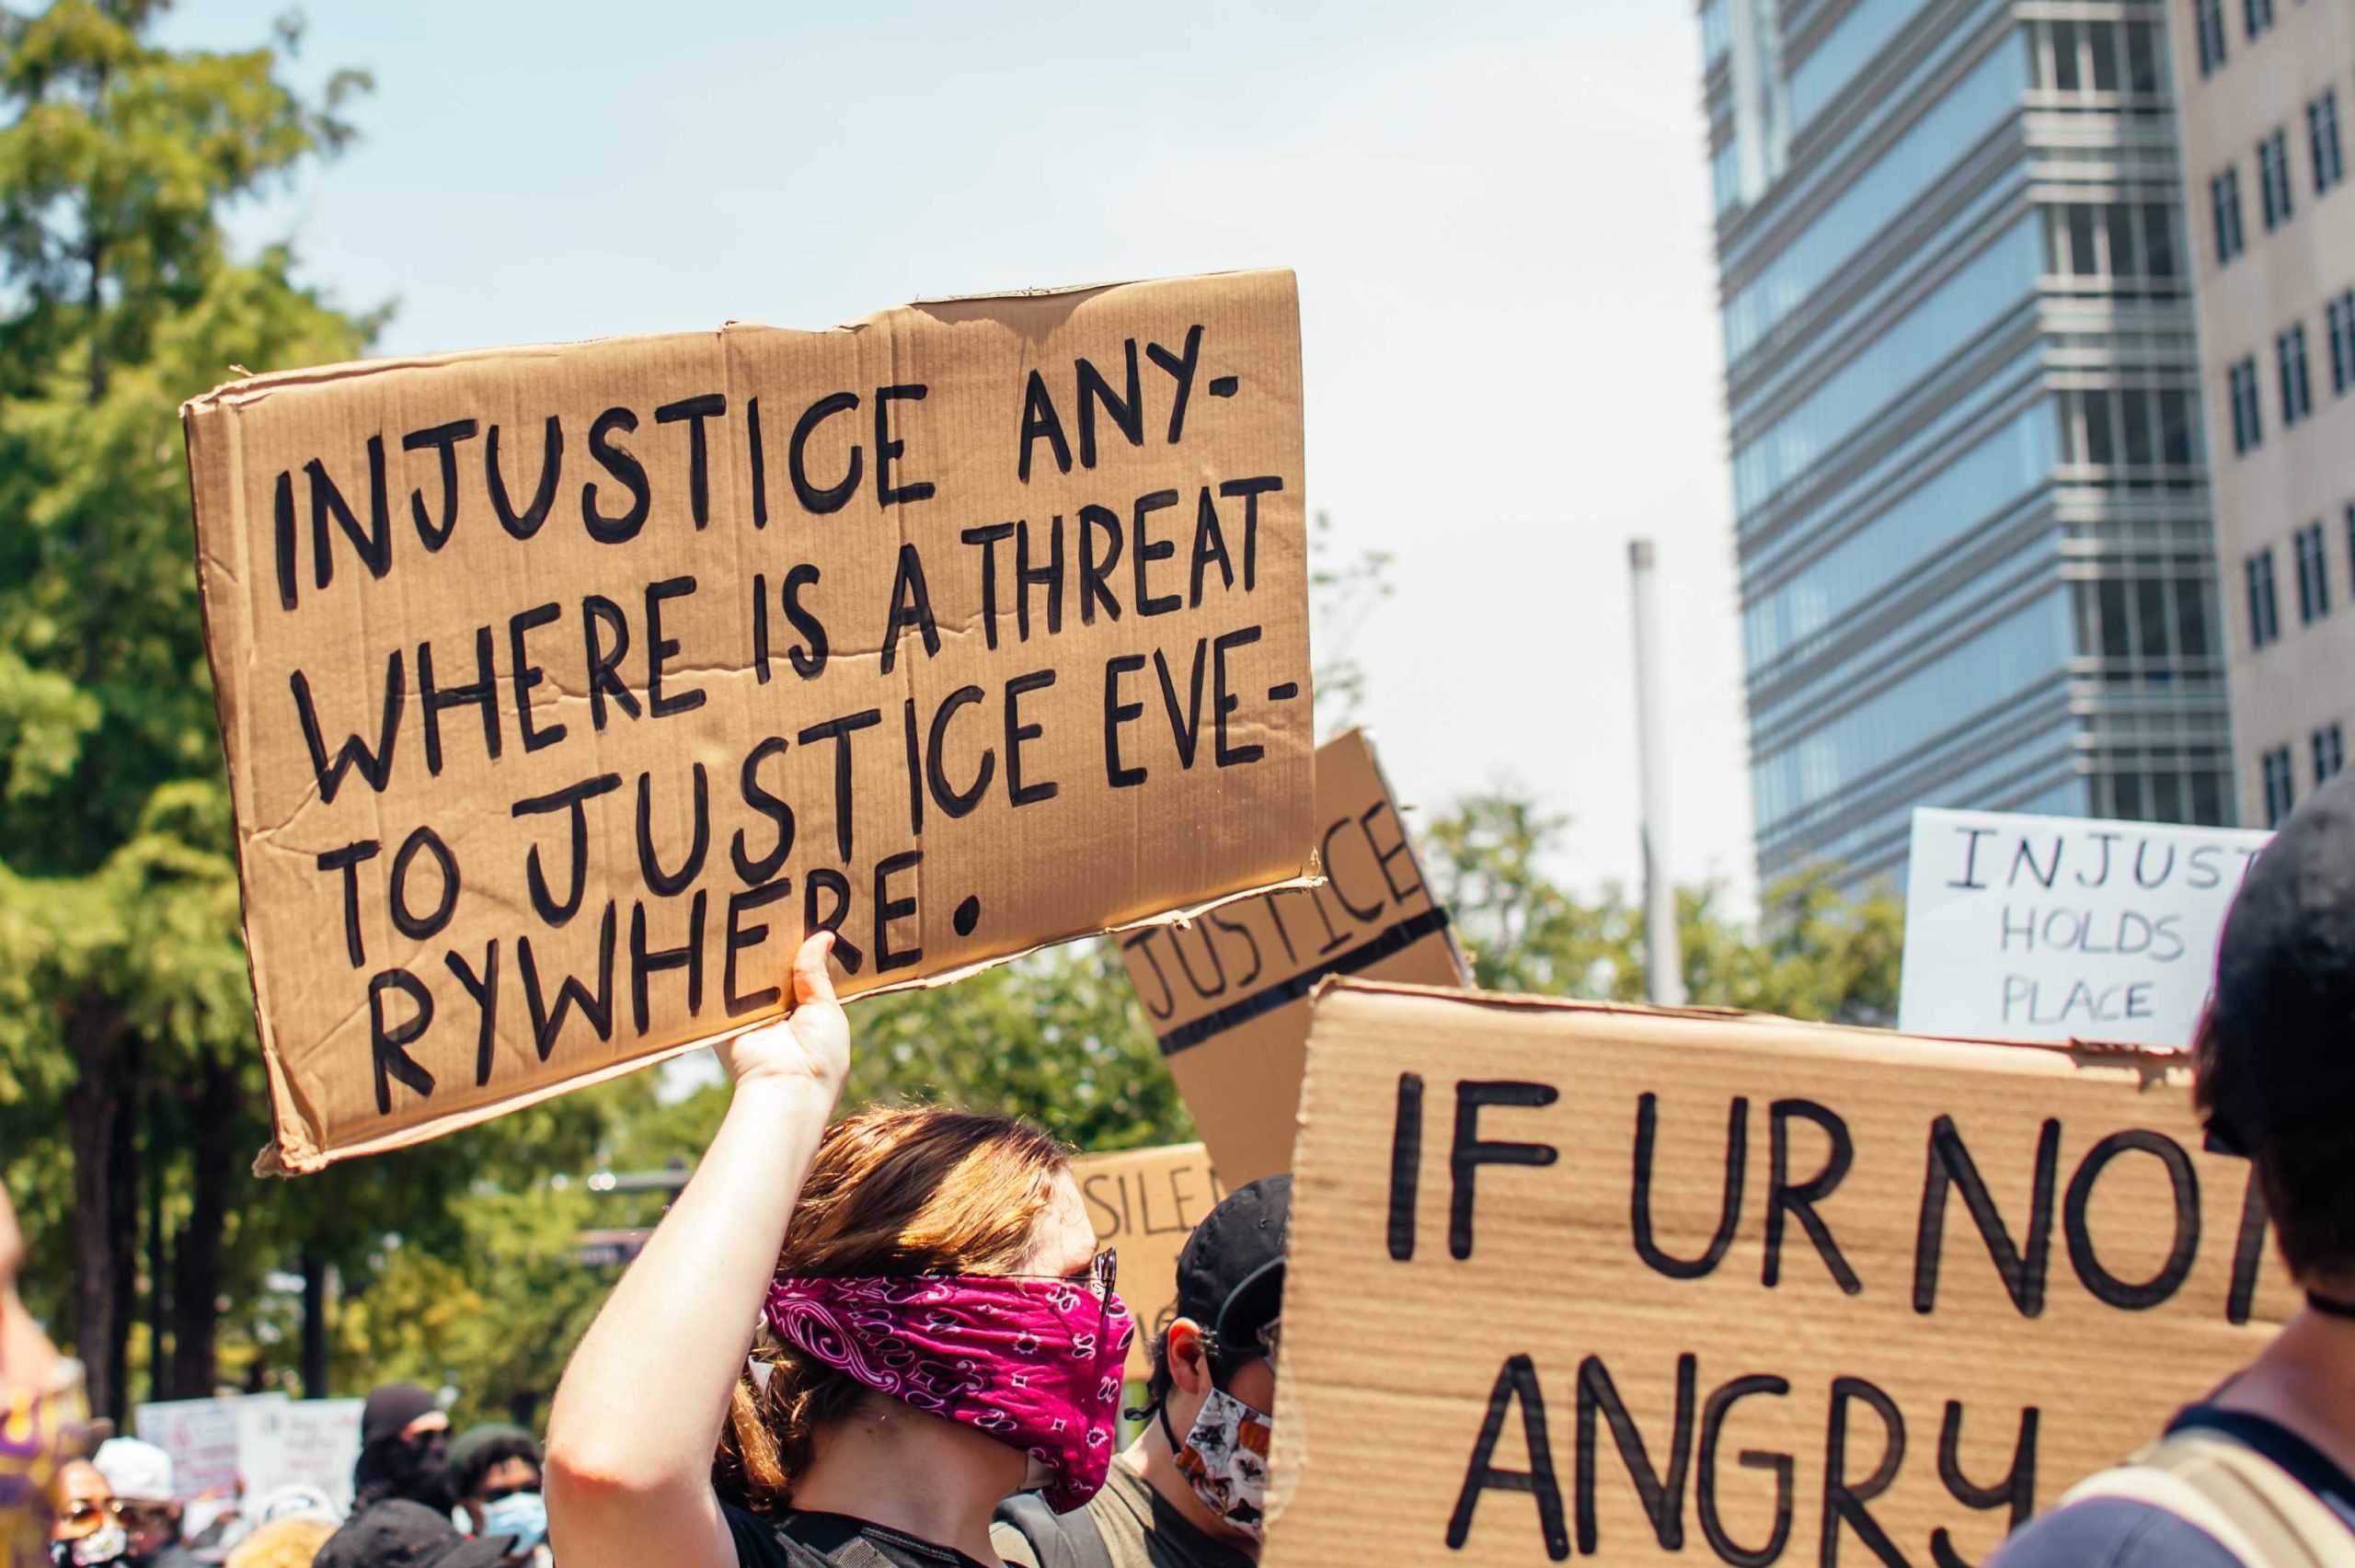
[[564, 688], [1227, 995], [1651, 1283], [2056, 928], [1145, 1203]]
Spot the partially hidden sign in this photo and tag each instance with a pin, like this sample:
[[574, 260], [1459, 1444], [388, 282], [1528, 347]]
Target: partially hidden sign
[[1145, 1203], [1699, 1287], [563, 689], [1227, 995], [2058, 927]]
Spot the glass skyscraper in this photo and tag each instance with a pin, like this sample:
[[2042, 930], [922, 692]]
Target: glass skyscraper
[[1969, 489]]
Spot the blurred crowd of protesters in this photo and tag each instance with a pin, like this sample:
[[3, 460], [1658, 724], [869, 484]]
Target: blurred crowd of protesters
[[936, 1372]]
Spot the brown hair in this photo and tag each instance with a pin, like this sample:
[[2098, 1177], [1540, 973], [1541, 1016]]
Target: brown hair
[[892, 1191]]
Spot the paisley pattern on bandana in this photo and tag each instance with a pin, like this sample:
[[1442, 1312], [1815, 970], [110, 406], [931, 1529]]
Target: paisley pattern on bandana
[[1034, 1362], [39, 1427]]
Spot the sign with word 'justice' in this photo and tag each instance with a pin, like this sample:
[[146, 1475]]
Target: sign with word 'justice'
[[2061, 928], [564, 689], [1227, 995], [1693, 1286]]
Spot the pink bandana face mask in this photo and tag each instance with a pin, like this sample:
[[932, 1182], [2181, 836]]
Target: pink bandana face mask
[[1034, 1362]]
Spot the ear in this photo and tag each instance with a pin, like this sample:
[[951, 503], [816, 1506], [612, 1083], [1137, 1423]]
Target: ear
[[1190, 1359]]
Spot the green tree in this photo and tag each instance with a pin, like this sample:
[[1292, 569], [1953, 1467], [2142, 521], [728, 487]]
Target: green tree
[[125, 1000], [1821, 954]]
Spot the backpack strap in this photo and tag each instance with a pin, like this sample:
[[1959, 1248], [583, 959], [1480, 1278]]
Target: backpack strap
[[2255, 1509], [1059, 1541]]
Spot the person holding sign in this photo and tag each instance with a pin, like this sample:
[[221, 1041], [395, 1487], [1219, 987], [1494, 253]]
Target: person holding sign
[[1189, 1492], [2259, 1473], [940, 1331]]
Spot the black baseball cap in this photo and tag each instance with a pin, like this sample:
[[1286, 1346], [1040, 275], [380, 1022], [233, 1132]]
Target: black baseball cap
[[1230, 1274], [2277, 1047], [401, 1534]]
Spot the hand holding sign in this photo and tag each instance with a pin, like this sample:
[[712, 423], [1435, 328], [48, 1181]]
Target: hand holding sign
[[811, 1043]]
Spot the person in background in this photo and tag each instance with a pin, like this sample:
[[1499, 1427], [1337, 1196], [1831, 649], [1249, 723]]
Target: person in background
[[289, 1542], [2262, 1471], [940, 1332], [1190, 1490], [404, 1451], [42, 1413], [87, 1529], [139, 1476], [398, 1533], [494, 1471]]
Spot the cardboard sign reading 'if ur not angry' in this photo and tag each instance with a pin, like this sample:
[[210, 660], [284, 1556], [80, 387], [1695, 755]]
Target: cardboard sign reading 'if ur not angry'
[[1693, 1285], [2058, 927], [564, 688], [1227, 995], [1145, 1203]]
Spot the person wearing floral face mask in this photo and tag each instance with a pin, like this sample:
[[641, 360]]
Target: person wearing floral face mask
[[1189, 1492], [42, 1415], [935, 1331]]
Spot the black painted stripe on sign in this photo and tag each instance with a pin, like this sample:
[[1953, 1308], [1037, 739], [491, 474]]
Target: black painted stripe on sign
[[1393, 939]]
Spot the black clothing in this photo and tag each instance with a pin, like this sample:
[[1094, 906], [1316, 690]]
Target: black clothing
[[831, 1541]]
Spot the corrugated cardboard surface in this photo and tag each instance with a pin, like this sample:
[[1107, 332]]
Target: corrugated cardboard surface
[[1427, 1296], [1227, 995], [1145, 1202], [1015, 764]]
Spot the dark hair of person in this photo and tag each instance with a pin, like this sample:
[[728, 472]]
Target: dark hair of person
[[465, 1475], [2270, 1091]]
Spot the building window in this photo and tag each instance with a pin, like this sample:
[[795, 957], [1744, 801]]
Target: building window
[[2273, 179], [2338, 320], [2297, 391], [2258, 14], [2224, 198], [2280, 794], [2264, 620], [2313, 575], [2249, 427], [2208, 19], [2330, 754], [2322, 134]]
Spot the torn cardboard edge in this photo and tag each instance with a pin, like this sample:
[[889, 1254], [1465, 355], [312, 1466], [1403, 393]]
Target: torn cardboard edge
[[1841, 1039], [250, 387], [309, 1157]]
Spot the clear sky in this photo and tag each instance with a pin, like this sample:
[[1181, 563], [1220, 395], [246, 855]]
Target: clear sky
[[1497, 211]]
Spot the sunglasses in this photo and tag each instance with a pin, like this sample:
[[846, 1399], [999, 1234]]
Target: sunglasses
[[500, 1493], [84, 1514]]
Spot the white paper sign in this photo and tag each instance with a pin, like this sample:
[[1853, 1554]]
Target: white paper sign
[[204, 1438], [2061, 928], [316, 1444]]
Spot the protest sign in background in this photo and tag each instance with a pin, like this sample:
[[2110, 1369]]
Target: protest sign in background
[[255, 1443], [313, 1442], [564, 688], [1145, 1202], [1227, 995], [1736, 1290], [2056, 928], [207, 1438]]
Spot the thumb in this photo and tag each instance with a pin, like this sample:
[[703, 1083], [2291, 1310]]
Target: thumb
[[811, 982]]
